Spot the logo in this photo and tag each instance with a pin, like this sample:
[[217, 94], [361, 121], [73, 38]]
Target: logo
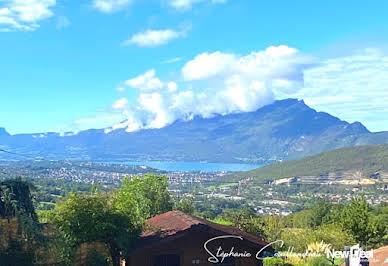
[[355, 253]]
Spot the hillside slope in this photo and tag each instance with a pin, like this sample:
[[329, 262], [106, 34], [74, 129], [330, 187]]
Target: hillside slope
[[367, 160]]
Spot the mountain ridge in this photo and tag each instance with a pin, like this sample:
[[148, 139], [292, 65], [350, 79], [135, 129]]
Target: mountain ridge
[[286, 129]]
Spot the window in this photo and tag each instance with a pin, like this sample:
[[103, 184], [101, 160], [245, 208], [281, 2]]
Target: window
[[166, 260]]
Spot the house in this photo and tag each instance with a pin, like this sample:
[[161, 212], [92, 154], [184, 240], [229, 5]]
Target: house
[[178, 239], [380, 257]]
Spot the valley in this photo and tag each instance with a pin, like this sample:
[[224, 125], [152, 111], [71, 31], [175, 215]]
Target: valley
[[280, 188]]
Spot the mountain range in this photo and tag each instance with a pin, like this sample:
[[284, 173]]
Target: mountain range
[[284, 130]]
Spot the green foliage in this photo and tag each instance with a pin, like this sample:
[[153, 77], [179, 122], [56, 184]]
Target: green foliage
[[318, 214], [272, 227], [186, 205], [93, 218], [275, 262], [221, 221], [297, 238], [155, 189], [318, 261], [144, 197], [130, 200], [253, 226], [236, 216], [357, 219], [243, 219], [334, 235], [116, 218], [16, 199], [366, 159]]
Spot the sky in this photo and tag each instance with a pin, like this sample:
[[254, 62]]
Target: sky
[[73, 65]]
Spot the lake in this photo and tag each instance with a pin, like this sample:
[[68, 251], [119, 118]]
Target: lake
[[196, 166]]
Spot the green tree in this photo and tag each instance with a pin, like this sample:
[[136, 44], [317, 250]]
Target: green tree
[[253, 226], [94, 218], [366, 228], [334, 235], [144, 197], [155, 189], [297, 238], [319, 213], [115, 219], [273, 226], [186, 204]]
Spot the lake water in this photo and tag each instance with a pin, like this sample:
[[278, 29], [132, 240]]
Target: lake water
[[196, 166]]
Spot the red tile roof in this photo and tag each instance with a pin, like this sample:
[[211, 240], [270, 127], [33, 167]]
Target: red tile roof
[[380, 257], [172, 222]]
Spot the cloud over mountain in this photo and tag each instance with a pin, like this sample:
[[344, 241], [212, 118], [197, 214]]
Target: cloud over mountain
[[214, 83], [353, 87]]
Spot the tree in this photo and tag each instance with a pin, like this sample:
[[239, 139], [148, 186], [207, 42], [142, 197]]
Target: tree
[[115, 219], [253, 226], [334, 235], [94, 218], [297, 238], [273, 226], [319, 213], [155, 189], [151, 192], [17, 201], [357, 219], [186, 205]]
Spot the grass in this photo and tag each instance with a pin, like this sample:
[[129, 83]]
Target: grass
[[227, 185], [221, 221]]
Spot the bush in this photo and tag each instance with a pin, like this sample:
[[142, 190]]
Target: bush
[[318, 261], [275, 262]]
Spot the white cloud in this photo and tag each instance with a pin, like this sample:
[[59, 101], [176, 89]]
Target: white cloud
[[120, 104], [153, 38], [110, 6], [146, 82], [172, 86], [188, 4], [24, 15], [354, 88], [206, 65], [222, 83], [172, 60]]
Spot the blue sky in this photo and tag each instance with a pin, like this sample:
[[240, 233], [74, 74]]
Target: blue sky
[[71, 65]]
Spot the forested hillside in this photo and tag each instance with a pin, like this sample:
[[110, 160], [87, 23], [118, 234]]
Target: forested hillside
[[371, 160]]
